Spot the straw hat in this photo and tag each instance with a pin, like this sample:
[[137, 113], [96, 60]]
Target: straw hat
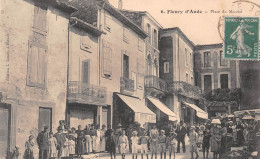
[[248, 117], [215, 121]]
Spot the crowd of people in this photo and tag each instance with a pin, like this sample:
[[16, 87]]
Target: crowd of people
[[215, 135]]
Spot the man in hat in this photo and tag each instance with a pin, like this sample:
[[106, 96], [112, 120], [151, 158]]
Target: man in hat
[[61, 138], [181, 132], [42, 141]]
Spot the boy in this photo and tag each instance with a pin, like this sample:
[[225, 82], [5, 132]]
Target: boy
[[111, 144], [154, 141], [162, 144], [123, 144], [134, 140], [171, 144], [193, 142], [205, 143], [144, 141]]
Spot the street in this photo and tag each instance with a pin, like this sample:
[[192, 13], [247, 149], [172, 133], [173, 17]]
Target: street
[[178, 155]]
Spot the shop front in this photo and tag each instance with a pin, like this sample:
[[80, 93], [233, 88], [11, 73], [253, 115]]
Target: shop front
[[193, 109], [129, 110]]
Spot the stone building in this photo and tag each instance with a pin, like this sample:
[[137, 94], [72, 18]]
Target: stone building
[[121, 62], [34, 56], [176, 68], [217, 76]]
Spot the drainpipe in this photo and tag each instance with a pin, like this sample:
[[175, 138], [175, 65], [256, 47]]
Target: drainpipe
[[68, 62]]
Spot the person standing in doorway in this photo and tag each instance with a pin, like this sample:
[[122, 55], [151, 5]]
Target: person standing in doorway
[[181, 132], [42, 141]]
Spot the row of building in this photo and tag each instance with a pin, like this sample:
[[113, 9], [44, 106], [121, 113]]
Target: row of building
[[87, 62]]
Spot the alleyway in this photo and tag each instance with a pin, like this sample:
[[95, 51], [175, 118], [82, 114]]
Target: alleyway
[[178, 155]]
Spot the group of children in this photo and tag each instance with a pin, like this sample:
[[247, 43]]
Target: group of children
[[162, 142]]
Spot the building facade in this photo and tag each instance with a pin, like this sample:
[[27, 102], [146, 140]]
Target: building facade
[[176, 68], [34, 51], [213, 73]]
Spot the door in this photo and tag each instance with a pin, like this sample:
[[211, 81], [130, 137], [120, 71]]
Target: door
[[45, 118], [5, 117]]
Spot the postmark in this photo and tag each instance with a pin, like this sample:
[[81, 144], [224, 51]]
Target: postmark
[[241, 38]]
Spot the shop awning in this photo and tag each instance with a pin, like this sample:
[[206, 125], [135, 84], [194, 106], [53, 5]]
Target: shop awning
[[162, 107], [199, 112], [142, 112]]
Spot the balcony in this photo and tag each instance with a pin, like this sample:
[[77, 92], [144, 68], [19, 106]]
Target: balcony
[[85, 93], [185, 89], [154, 85], [126, 86]]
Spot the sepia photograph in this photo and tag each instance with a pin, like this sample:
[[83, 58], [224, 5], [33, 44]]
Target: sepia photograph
[[129, 79]]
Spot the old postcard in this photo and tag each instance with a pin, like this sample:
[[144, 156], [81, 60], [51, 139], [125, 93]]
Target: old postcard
[[128, 79]]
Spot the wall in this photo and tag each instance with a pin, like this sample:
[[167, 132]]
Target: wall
[[16, 29]]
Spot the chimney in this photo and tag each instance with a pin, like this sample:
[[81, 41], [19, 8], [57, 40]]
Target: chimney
[[120, 4]]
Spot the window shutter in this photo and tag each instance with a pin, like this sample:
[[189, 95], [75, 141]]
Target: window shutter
[[85, 72], [41, 66], [34, 64], [107, 59], [40, 18]]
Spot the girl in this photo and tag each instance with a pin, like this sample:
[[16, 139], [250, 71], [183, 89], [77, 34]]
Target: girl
[[171, 144], [123, 144], [193, 138], [28, 154], [52, 145], [134, 140]]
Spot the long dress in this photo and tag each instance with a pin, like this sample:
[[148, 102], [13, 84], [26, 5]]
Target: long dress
[[215, 139], [52, 148], [103, 140], [80, 143], [65, 151], [98, 136], [71, 146]]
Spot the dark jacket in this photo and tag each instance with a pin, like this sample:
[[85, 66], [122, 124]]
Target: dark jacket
[[42, 140], [181, 132]]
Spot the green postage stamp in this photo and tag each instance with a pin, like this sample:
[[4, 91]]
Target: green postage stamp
[[241, 38]]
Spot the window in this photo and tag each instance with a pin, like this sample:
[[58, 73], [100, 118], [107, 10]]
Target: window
[[149, 65], [155, 38], [107, 22], [186, 57], [39, 20], [191, 80], [140, 44], [107, 59], [207, 83], [125, 35], [224, 81], [187, 78], [85, 71], [36, 73], [156, 68], [149, 33], [223, 62], [125, 66], [191, 60], [85, 43], [140, 73], [166, 67], [207, 59]]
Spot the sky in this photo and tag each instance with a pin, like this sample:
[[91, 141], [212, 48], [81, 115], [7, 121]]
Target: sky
[[200, 28]]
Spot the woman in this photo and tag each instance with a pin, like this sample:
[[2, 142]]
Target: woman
[[223, 145], [215, 138], [98, 137], [103, 138], [80, 141], [28, 154]]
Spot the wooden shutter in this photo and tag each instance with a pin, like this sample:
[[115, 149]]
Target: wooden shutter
[[41, 66], [40, 16], [34, 64], [85, 72], [107, 58]]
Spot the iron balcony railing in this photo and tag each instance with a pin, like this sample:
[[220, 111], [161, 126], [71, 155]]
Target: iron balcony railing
[[185, 89], [85, 93], [126, 84], [155, 82]]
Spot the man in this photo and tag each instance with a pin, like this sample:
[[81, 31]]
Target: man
[[42, 141], [60, 137], [181, 132], [93, 134]]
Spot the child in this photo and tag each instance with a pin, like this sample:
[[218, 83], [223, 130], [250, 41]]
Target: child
[[171, 144], [144, 141], [111, 144], [205, 143], [154, 141], [52, 145], [65, 151], [28, 154], [71, 145], [134, 140], [193, 142], [123, 144], [162, 144]]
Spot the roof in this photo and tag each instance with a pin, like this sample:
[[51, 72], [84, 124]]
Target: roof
[[208, 46], [139, 14], [180, 32], [121, 17], [59, 4], [86, 26]]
